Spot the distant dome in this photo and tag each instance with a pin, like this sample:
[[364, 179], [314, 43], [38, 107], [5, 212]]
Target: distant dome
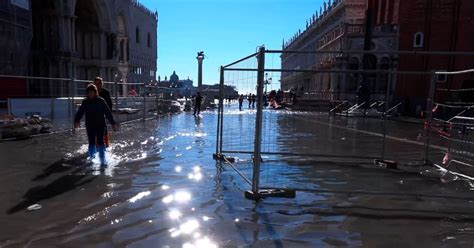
[[174, 77]]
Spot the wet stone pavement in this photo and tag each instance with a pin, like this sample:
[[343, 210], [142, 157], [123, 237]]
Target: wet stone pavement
[[163, 189]]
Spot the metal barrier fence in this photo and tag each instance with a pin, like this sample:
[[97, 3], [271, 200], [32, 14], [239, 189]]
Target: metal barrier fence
[[261, 147], [454, 124], [57, 100]]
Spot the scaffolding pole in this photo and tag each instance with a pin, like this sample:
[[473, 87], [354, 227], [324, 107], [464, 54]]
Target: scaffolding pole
[[219, 117], [429, 116], [387, 102], [221, 105], [258, 122]]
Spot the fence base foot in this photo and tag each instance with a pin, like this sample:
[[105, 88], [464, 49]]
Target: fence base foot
[[264, 193], [389, 164], [223, 158]]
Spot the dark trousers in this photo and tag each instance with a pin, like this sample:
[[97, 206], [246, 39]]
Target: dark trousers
[[197, 108], [95, 133]]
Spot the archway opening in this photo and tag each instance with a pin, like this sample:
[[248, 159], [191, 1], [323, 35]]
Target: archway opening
[[88, 38], [353, 77], [44, 46]]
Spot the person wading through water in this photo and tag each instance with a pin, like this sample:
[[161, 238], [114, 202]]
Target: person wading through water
[[197, 103], [104, 93], [96, 110], [241, 102]]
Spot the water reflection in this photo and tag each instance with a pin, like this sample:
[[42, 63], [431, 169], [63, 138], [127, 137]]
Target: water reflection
[[196, 175], [190, 211], [139, 196], [200, 243], [179, 197], [175, 214]]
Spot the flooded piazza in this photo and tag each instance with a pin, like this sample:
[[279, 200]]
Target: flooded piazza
[[162, 188]]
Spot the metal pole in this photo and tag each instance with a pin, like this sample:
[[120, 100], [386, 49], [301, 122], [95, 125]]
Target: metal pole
[[258, 122], [116, 98], [70, 103], [74, 92], [156, 100], [219, 117], [52, 109], [221, 105], [387, 101], [144, 102], [429, 116]]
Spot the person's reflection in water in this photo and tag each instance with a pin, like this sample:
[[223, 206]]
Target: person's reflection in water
[[198, 130]]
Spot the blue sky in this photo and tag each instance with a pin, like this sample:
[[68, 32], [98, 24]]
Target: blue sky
[[225, 30]]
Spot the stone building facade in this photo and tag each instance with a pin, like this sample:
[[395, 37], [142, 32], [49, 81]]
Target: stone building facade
[[15, 35], [435, 25], [83, 39], [340, 25]]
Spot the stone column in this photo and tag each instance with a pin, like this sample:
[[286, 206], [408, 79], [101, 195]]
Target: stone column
[[124, 71], [125, 47], [334, 85], [200, 59]]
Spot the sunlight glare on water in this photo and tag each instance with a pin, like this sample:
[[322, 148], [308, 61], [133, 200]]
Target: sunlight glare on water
[[201, 243], [196, 175], [179, 197], [139, 196], [175, 214]]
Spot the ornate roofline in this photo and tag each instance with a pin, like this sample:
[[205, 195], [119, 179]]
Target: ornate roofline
[[316, 20], [145, 9]]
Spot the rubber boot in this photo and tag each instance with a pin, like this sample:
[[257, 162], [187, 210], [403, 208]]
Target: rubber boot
[[92, 151], [102, 155]]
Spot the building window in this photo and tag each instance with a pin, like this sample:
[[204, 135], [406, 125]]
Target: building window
[[418, 40], [149, 40], [137, 35]]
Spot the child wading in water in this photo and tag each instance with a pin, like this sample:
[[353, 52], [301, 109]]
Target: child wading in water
[[96, 110]]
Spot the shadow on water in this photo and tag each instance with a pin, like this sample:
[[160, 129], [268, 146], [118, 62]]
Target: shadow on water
[[80, 176], [61, 166]]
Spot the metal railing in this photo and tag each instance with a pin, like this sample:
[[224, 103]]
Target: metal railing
[[57, 99], [234, 140]]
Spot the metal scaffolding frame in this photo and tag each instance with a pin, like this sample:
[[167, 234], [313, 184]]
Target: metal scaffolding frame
[[256, 191]]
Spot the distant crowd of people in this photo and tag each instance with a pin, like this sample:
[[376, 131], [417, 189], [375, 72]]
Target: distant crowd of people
[[273, 99]]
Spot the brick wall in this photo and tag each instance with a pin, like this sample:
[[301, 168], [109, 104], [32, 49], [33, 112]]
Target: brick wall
[[447, 25]]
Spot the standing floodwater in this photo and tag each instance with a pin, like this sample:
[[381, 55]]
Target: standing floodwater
[[162, 189]]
